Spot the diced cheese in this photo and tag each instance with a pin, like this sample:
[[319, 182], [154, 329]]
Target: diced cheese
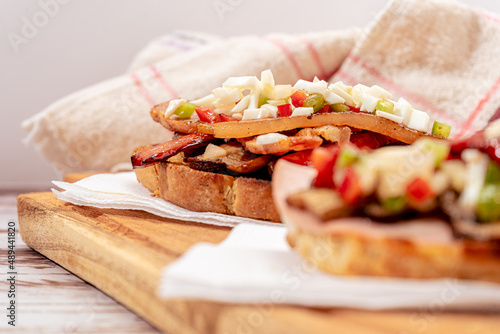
[[342, 93], [302, 111], [475, 174], [392, 117], [254, 101], [257, 113], [282, 91], [321, 82], [269, 138], [403, 108], [368, 102], [213, 151], [220, 92], [379, 92], [356, 93], [419, 120], [231, 97], [249, 82], [172, 107], [238, 116], [333, 98], [242, 105], [266, 78], [276, 102], [310, 87], [273, 110], [204, 101]]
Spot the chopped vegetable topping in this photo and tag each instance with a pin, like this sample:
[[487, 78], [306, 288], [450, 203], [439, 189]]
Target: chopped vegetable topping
[[441, 129]]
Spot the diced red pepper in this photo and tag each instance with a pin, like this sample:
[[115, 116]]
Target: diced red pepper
[[302, 158], [208, 115], [298, 98], [227, 118], [326, 109], [365, 139], [419, 190], [323, 159], [285, 110], [350, 189], [354, 109]]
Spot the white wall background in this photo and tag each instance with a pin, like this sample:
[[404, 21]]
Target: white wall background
[[85, 42]]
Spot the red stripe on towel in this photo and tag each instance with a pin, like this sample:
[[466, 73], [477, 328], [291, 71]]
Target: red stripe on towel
[[478, 108], [316, 57], [142, 90], [289, 55], [163, 82], [401, 91]]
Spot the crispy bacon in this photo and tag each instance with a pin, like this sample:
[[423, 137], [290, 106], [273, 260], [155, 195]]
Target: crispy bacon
[[164, 151]]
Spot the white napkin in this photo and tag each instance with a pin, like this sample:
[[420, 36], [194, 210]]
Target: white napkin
[[255, 265], [122, 191]]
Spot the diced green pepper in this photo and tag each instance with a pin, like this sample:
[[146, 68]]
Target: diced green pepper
[[340, 107], [441, 129], [262, 100], [488, 208], [346, 157], [394, 204], [316, 101], [493, 173], [185, 110], [385, 106], [440, 148]]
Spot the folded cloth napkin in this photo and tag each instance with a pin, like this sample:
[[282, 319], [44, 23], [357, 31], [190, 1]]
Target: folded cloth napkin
[[439, 55], [98, 127], [122, 191], [254, 264]]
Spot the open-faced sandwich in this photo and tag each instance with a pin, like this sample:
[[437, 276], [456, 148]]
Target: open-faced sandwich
[[427, 210], [226, 144]]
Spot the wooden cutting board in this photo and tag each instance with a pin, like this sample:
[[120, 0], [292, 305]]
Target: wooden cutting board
[[122, 252]]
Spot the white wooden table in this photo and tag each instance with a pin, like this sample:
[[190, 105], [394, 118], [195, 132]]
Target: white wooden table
[[49, 299]]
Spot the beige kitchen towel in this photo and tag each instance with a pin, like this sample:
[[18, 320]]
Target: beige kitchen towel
[[97, 128], [442, 56]]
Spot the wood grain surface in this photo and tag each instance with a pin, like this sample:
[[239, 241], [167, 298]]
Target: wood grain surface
[[122, 252], [50, 299]]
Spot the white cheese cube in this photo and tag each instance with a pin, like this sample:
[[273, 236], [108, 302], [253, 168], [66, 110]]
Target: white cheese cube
[[403, 108], [343, 94], [254, 101], [172, 107], [321, 82], [204, 101], [266, 78], [302, 111], [270, 138], [220, 92], [368, 102], [356, 93], [475, 174], [419, 120], [379, 92], [310, 87], [392, 117], [250, 82], [332, 98], [282, 91], [257, 113], [272, 110], [231, 97], [242, 105]]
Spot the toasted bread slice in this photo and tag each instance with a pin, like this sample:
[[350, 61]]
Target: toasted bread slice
[[205, 191], [354, 254]]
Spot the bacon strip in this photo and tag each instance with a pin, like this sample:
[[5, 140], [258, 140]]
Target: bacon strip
[[164, 151]]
